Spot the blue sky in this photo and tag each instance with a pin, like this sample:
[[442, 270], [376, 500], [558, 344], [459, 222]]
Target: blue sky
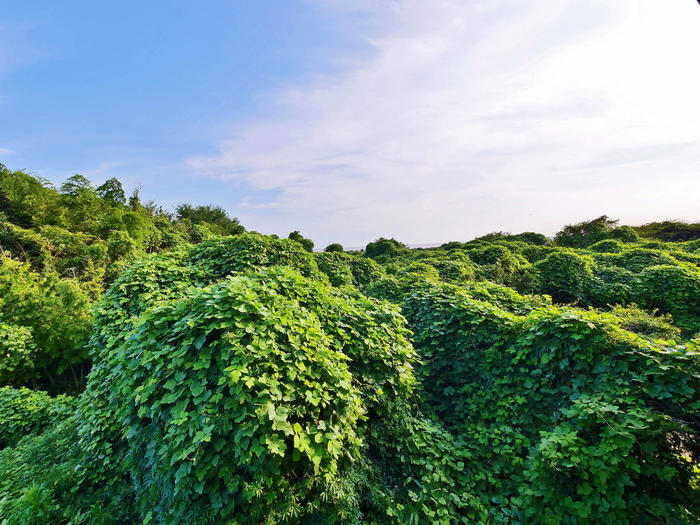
[[428, 121]]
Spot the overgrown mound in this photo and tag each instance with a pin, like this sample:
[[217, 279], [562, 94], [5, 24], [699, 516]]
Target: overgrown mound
[[257, 398], [567, 417], [245, 380]]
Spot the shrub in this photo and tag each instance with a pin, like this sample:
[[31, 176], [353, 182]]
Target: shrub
[[218, 258], [334, 247], [46, 482], [607, 246], [564, 275], [24, 411], [610, 285], [17, 351], [671, 289], [586, 233], [536, 253], [56, 311], [574, 417], [673, 231], [636, 260], [418, 271], [336, 266], [307, 244], [263, 382], [384, 247], [453, 271], [642, 322], [365, 271], [527, 237]]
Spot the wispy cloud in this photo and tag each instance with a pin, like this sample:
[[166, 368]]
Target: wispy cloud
[[471, 116], [6, 151]]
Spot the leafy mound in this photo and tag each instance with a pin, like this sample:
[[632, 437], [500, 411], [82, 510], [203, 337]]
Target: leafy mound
[[574, 416], [246, 380], [24, 412]]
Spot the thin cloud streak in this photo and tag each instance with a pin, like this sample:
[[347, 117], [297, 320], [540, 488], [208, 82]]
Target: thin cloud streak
[[470, 117]]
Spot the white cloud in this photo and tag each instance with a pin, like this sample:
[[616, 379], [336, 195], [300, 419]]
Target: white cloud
[[6, 151], [474, 116]]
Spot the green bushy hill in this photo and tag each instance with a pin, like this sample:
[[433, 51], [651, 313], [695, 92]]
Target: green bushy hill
[[243, 379]]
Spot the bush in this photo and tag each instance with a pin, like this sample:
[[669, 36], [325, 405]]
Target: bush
[[642, 322], [453, 271], [564, 275], [24, 411], [586, 233], [384, 247], [365, 271], [335, 247], [670, 231], [45, 482], [17, 352], [307, 244], [336, 266], [218, 258], [674, 290], [635, 260], [263, 381], [572, 415], [607, 246], [56, 311]]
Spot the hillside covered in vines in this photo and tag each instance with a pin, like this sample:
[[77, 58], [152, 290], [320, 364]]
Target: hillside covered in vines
[[232, 377]]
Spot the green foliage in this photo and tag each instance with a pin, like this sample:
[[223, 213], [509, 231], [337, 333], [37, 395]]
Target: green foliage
[[558, 404], [76, 241], [336, 266], [674, 290], [585, 233], [636, 260], [24, 412], [243, 379], [45, 482], [384, 247], [308, 244], [334, 247], [77, 186], [55, 311], [670, 231], [215, 217], [365, 271], [639, 321], [252, 379], [17, 350], [112, 192], [564, 275], [610, 285], [607, 246], [218, 258], [453, 271], [537, 239]]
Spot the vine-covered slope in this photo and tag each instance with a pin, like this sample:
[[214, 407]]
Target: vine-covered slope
[[245, 380]]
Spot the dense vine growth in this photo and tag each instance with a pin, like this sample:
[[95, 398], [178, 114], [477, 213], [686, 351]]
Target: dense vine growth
[[231, 377]]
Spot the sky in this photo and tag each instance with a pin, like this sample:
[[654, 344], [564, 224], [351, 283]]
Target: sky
[[427, 121]]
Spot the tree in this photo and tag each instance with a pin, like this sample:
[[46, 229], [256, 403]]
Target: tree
[[335, 247], [210, 214], [76, 186], [585, 233], [112, 191], [383, 246], [135, 198], [308, 244]]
